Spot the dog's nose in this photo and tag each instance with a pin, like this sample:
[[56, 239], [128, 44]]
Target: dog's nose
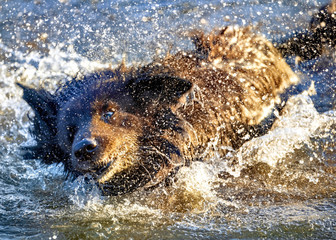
[[85, 149]]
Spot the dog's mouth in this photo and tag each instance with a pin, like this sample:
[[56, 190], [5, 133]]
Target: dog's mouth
[[95, 171], [110, 165], [100, 171]]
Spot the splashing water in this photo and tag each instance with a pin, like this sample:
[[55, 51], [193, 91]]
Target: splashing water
[[281, 184]]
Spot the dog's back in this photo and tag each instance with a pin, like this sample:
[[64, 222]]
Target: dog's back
[[238, 77]]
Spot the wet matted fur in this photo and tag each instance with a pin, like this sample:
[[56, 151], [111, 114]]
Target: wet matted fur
[[132, 128]]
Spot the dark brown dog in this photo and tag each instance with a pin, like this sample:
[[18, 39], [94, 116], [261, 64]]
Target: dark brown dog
[[134, 128]]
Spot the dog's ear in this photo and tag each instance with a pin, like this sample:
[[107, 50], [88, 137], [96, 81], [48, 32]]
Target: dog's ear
[[41, 101], [44, 127], [158, 89]]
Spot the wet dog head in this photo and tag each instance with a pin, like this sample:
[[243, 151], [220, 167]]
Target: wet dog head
[[116, 128]]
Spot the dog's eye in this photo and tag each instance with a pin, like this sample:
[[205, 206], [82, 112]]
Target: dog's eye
[[107, 116]]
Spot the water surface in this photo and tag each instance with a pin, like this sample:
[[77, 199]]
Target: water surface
[[281, 185]]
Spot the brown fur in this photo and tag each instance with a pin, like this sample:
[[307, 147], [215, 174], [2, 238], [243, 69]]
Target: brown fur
[[238, 77]]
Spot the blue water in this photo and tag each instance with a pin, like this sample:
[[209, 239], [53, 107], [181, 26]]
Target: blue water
[[289, 192]]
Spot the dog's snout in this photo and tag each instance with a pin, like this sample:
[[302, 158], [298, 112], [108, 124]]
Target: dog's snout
[[85, 149]]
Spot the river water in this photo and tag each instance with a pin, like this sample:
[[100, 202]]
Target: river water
[[278, 186]]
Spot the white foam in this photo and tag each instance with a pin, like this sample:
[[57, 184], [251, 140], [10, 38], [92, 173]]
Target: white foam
[[298, 121]]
